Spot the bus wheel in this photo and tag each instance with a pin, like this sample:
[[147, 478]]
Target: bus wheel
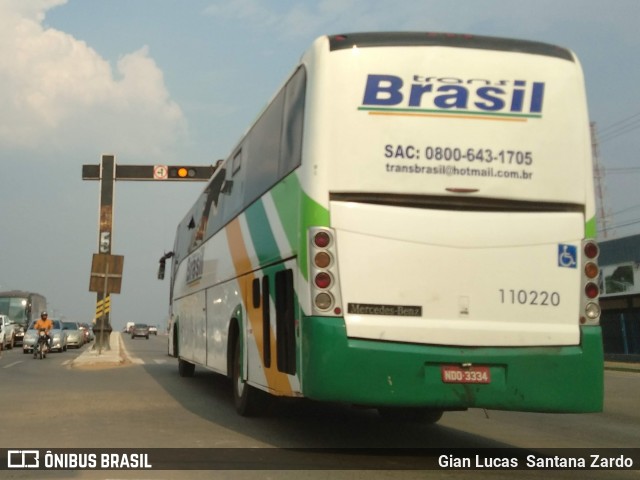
[[185, 369], [416, 414], [248, 400]]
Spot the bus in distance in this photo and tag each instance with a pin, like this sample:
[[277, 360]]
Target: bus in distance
[[22, 308], [409, 225]]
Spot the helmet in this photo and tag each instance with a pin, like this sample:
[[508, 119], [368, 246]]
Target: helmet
[[44, 314]]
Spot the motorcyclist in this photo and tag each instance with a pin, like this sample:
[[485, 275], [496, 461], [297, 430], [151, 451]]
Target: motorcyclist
[[44, 323]]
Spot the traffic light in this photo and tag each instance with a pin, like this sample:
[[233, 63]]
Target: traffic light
[[180, 173], [189, 172]]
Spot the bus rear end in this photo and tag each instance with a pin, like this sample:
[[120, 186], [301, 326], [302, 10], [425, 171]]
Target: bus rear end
[[458, 268]]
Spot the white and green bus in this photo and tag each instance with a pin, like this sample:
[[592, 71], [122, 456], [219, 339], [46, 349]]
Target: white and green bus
[[409, 225]]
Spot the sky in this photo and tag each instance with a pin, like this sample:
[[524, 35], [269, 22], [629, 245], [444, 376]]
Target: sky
[[169, 82]]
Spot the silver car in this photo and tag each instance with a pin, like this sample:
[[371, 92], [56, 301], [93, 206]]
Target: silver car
[[75, 335], [88, 332], [58, 337], [140, 330]]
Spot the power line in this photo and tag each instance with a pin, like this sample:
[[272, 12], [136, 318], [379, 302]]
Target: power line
[[606, 129], [622, 131], [621, 127], [622, 170], [620, 225], [632, 207]]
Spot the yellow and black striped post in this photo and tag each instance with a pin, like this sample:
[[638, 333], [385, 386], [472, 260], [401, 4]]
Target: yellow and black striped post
[[103, 306]]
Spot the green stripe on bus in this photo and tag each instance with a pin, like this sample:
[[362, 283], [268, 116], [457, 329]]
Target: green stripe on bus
[[285, 196], [288, 197], [590, 228], [264, 242]]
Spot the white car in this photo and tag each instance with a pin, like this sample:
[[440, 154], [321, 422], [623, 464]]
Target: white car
[[7, 333], [3, 337]]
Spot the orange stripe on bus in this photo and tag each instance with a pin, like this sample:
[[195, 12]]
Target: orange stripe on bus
[[277, 381]]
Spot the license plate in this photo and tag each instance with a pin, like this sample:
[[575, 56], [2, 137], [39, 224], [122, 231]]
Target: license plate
[[473, 374]]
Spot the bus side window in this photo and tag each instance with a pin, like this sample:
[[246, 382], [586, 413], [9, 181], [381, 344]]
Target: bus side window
[[210, 221], [262, 151], [266, 322], [236, 163], [291, 142], [256, 293], [285, 322]]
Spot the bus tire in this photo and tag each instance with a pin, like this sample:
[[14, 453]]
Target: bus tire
[[186, 369], [248, 400], [176, 352], [410, 414]]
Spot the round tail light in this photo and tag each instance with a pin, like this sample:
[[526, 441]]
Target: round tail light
[[323, 301], [322, 259], [591, 270], [591, 250], [592, 310], [323, 280], [591, 290], [321, 239]]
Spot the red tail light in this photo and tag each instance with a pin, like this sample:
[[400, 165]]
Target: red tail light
[[321, 239], [323, 280], [591, 290], [591, 250]]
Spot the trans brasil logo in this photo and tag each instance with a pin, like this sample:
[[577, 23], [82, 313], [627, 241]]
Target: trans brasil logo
[[482, 99]]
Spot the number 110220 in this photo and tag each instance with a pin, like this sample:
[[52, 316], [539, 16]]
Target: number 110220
[[541, 298]]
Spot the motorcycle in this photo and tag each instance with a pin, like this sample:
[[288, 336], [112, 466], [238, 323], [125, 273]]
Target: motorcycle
[[41, 347]]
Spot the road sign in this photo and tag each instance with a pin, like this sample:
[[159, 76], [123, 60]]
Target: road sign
[[106, 273], [160, 172]]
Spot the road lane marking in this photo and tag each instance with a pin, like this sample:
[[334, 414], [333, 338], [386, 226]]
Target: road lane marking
[[12, 364]]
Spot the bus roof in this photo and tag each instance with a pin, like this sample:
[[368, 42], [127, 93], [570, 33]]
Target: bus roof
[[18, 293], [404, 39]]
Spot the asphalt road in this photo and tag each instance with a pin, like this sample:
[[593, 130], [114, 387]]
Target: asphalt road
[[146, 404]]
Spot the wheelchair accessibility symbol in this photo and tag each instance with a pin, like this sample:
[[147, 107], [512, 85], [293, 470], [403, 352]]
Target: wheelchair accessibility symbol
[[567, 256]]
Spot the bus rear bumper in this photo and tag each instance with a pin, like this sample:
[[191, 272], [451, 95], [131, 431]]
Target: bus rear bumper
[[376, 373]]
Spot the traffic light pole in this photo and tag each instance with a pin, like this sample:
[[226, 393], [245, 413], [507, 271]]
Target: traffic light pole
[[107, 172], [102, 328]]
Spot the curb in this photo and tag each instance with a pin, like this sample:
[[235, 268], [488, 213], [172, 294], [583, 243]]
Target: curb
[[622, 366], [114, 357]]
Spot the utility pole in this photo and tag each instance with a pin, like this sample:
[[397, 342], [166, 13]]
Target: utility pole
[[598, 176], [106, 269], [102, 328]]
